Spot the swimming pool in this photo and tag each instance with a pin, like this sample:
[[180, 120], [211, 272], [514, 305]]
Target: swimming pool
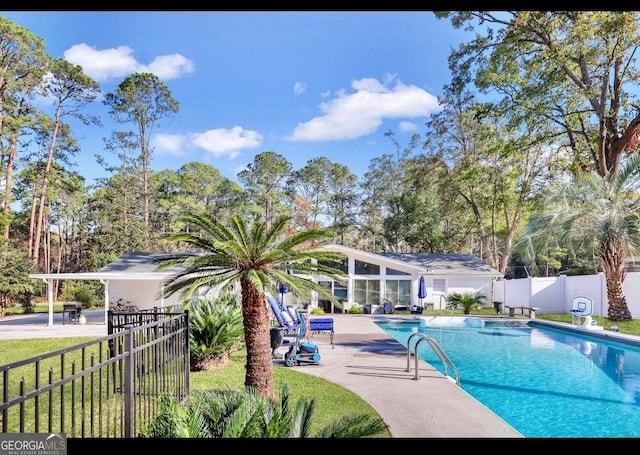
[[543, 381]]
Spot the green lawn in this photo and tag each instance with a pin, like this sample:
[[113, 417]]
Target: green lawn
[[332, 401]]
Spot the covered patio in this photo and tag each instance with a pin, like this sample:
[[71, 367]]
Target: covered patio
[[106, 278]]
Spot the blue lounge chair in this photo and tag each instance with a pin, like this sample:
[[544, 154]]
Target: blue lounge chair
[[285, 329], [322, 325]]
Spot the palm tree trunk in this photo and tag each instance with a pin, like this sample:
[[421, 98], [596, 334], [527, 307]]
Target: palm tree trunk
[[613, 255], [259, 367]]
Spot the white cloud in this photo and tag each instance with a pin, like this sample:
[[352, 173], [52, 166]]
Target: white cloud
[[221, 143], [170, 144], [299, 87], [172, 66], [226, 142], [362, 112], [406, 127], [119, 62]]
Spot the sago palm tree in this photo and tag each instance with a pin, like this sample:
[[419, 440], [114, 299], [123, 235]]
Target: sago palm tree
[[215, 330], [229, 413], [258, 258], [603, 213], [467, 300]]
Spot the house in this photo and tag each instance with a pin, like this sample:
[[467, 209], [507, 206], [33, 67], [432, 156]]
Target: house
[[374, 277], [371, 279], [132, 278]]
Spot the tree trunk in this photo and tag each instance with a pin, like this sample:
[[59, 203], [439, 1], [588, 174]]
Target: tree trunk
[[8, 190], [259, 367], [43, 188], [613, 255]]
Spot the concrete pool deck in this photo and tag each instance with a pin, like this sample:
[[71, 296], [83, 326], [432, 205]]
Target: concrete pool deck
[[365, 360], [373, 365]]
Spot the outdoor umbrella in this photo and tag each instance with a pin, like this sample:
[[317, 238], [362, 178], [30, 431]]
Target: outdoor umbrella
[[422, 290], [283, 290]]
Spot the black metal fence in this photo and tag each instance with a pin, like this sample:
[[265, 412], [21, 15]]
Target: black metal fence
[[104, 388]]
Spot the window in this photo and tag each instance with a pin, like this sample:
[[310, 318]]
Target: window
[[440, 285], [366, 268], [391, 271], [343, 266], [366, 292], [399, 291], [340, 290]]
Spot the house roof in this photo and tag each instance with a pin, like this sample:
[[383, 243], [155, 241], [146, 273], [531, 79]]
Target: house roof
[[136, 262], [130, 266], [141, 266], [447, 264], [427, 263]]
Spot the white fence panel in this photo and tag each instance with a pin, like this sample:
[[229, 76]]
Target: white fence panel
[[545, 293], [517, 292], [555, 294]]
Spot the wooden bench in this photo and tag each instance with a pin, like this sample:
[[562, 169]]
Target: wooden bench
[[531, 311]]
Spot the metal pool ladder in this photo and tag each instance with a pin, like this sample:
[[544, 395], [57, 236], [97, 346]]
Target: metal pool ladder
[[446, 361]]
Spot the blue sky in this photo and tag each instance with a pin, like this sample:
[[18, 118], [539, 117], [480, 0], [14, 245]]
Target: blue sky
[[301, 84]]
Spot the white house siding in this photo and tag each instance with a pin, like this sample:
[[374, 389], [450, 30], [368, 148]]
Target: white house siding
[[455, 284], [555, 294], [145, 294]]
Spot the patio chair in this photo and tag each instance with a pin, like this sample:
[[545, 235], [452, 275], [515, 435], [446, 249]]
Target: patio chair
[[286, 327]]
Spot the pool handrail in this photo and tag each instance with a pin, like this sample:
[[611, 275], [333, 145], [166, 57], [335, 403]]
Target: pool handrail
[[446, 361]]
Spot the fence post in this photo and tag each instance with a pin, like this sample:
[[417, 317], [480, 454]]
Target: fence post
[[604, 298], [128, 382], [187, 357]]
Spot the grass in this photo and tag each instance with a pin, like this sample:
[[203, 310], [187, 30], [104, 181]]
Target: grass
[[17, 310], [331, 400]]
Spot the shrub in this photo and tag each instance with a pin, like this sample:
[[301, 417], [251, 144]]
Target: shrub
[[317, 310], [467, 300], [356, 309], [215, 330], [245, 413], [81, 291]]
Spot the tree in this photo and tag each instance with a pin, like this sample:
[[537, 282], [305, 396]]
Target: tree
[[265, 181], [142, 98], [258, 258], [71, 90], [603, 213], [23, 63], [383, 187], [488, 169], [343, 199], [15, 284], [307, 189], [574, 69]]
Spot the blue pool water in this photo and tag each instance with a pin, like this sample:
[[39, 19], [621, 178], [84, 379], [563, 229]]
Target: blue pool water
[[544, 382]]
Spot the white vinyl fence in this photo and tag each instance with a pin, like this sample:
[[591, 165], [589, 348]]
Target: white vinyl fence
[[554, 294]]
